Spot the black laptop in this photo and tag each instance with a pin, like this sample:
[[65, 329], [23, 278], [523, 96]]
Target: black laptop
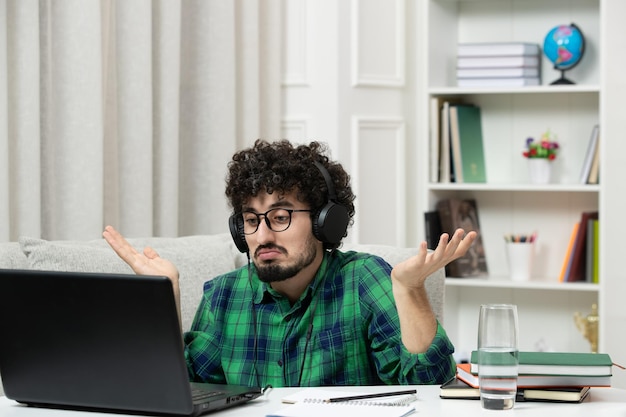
[[101, 342]]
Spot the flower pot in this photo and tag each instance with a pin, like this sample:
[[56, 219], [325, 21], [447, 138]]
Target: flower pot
[[539, 170]]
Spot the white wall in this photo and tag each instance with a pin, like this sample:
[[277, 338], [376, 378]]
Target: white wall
[[347, 83]]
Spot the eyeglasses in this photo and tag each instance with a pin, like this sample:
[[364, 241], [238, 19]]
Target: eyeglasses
[[276, 219]]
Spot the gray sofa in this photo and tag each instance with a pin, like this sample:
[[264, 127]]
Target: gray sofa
[[198, 258]]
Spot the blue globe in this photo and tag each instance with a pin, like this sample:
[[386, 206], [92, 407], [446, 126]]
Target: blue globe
[[564, 45]]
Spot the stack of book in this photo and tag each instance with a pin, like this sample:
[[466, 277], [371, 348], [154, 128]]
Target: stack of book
[[502, 64], [544, 376]]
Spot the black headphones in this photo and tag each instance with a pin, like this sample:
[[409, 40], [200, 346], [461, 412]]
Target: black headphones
[[329, 223]]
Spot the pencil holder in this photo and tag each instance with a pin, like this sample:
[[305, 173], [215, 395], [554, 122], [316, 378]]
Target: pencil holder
[[520, 257]]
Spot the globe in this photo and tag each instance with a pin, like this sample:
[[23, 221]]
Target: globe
[[564, 45]]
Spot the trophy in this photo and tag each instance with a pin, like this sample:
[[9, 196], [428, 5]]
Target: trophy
[[588, 326]]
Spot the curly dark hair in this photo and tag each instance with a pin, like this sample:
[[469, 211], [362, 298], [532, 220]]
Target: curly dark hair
[[282, 167]]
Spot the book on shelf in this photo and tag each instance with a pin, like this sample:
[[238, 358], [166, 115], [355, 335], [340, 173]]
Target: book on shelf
[[568, 253], [595, 165], [592, 147], [594, 268], [457, 213], [439, 131], [432, 228], [539, 381], [558, 363], [435, 138], [315, 402], [498, 82], [445, 167], [591, 253], [497, 49], [497, 72], [578, 268], [455, 145], [498, 62], [466, 138], [456, 388]]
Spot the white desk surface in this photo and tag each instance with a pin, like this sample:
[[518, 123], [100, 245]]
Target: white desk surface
[[605, 402]]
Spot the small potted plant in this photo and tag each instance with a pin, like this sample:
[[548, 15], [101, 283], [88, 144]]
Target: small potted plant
[[539, 154]]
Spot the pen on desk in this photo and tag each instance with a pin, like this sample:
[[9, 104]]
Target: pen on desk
[[368, 396]]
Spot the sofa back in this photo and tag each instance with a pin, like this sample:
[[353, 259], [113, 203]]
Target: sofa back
[[12, 257], [198, 258]]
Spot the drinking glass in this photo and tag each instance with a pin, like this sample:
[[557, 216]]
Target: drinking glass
[[498, 355]]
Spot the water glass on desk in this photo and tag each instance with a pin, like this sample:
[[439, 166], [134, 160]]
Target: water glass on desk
[[498, 355]]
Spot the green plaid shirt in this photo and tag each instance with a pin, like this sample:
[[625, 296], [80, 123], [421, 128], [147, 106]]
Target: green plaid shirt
[[355, 337]]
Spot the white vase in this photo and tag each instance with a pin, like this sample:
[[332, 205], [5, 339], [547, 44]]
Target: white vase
[[539, 170]]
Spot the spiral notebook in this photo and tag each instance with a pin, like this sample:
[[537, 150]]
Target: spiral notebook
[[313, 402]]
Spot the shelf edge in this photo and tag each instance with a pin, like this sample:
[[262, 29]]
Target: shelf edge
[[526, 285]]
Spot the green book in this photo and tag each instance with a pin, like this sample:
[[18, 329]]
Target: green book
[[559, 363], [467, 143]]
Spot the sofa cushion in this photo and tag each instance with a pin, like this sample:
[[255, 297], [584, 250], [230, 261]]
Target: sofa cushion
[[198, 259], [12, 257]]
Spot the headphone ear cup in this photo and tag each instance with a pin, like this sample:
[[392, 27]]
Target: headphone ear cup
[[330, 223], [235, 224]]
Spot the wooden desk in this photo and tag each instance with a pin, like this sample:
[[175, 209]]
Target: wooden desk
[[605, 402]]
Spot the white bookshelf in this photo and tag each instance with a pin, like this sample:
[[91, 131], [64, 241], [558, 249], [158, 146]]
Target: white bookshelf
[[508, 203], [391, 118]]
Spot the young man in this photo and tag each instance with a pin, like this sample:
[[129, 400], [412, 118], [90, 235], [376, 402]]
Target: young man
[[303, 313]]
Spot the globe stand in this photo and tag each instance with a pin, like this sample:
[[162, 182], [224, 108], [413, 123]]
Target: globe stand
[[562, 80]]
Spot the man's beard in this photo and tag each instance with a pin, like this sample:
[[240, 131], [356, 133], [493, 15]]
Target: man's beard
[[271, 272]]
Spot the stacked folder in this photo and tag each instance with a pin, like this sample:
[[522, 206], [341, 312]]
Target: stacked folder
[[501, 64]]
